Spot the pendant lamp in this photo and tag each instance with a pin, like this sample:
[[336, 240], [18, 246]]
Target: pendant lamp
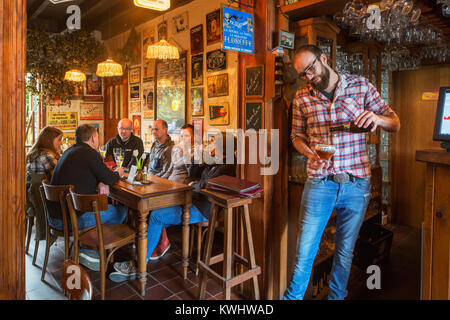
[[75, 75], [159, 5], [162, 50], [109, 68]]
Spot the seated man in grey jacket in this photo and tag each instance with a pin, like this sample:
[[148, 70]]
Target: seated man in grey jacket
[[161, 151]]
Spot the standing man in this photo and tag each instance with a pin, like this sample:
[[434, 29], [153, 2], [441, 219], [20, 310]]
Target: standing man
[[161, 151], [343, 182], [82, 166], [126, 141]]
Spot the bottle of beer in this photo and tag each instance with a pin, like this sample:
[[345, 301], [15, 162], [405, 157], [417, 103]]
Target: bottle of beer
[[351, 127]]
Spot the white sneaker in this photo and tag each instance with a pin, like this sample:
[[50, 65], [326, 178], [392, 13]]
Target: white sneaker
[[90, 260], [124, 271]]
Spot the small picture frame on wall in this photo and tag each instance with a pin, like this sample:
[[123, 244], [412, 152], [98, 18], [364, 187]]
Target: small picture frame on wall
[[93, 85], [216, 60], [254, 81], [135, 91], [218, 85], [135, 75], [197, 39], [197, 101], [198, 130], [180, 23], [219, 114], [254, 115], [197, 70], [213, 29], [286, 39]]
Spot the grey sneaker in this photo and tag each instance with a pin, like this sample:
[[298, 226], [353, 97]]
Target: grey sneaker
[[124, 271], [90, 260]]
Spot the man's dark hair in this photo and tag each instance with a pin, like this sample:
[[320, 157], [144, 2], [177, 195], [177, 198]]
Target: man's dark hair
[[188, 126], [84, 132], [315, 50]]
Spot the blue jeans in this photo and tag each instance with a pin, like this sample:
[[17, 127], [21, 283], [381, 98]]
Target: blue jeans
[[320, 197], [115, 214], [163, 218]]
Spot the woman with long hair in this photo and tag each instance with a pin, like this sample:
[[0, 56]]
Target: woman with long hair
[[44, 154]]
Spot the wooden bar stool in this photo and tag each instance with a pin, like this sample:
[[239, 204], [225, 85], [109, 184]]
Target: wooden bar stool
[[229, 257]]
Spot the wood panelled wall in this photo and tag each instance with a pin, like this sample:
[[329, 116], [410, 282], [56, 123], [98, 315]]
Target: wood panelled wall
[[12, 148], [417, 123]]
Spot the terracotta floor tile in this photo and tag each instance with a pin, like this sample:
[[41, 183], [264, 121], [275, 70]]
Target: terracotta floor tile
[[174, 297], [178, 284], [192, 294], [121, 292], [157, 292], [164, 274]]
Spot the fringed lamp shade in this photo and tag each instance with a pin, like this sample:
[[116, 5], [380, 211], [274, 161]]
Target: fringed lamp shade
[[109, 68], [159, 5], [75, 75], [162, 50]]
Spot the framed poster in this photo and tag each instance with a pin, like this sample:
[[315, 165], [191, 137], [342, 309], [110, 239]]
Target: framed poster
[[216, 60], [137, 125], [197, 70], [197, 101], [198, 130], [218, 85], [148, 65], [162, 31], [219, 114], [148, 102], [180, 23], [91, 111], [135, 91], [63, 120], [254, 112], [237, 29], [254, 81], [70, 136], [135, 75], [93, 85], [286, 39], [135, 106], [171, 92], [197, 39], [213, 29]]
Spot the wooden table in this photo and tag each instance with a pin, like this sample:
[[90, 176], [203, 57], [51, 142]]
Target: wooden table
[[142, 199]]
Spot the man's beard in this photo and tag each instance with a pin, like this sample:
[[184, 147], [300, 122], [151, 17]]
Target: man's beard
[[324, 79]]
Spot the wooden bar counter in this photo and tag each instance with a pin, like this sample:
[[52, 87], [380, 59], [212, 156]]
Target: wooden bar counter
[[436, 232]]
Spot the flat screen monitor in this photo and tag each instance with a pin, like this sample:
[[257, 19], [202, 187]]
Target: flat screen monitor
[[442, 122]]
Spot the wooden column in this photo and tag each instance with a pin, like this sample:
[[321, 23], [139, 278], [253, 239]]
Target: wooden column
[[12, 148]]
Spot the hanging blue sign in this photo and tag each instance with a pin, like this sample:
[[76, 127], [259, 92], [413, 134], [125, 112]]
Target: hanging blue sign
[[237, 31]]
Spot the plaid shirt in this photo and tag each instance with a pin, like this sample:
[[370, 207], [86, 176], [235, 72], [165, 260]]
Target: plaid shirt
[[313, 114], [45, 162]]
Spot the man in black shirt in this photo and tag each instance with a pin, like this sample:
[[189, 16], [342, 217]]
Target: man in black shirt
[[82, 166], [126, 141]]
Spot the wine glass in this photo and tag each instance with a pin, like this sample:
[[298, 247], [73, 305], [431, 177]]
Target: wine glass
[[103, 151], [118, 156]]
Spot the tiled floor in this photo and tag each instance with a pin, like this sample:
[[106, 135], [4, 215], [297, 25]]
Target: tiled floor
[[400, 275]]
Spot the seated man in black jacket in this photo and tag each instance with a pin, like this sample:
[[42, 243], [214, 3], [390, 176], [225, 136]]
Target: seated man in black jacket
[[126, 141], [82, 166], [162, 218]]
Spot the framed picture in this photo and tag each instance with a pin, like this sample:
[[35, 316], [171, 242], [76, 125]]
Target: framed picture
[[216, 60], [254, 81], [219, 114], [197, 70], [137, 125], [198, 130], [162, 31], [135, 75], [237, 30], [197, 39], [197, 101], [148, 101], [180, 23], [213, 29], [135, 106], [218, 85], [91, 111], [93, 85], [254, 115], [286, 39], [135, 91]]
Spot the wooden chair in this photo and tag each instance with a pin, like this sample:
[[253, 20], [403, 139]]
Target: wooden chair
[[76, 281], [57, 194], [105, 236], [200, 230]]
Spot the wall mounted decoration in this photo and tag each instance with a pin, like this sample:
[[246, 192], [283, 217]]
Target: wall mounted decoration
[[197, 39], [162, 31], [197, 102], [63, 120], [219, 114], [135, 75], [237, 30], [93, 85], [148, 65], [180, 23], [218, 85], [213, 29], [198, 130], [286, 39], [135, 91], [91, 111], [254, 112], [216, 60], [254, 81], [137, 125], [135, 106], [148, 110], [197, 70]]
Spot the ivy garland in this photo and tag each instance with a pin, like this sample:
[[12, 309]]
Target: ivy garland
[[49, 56]]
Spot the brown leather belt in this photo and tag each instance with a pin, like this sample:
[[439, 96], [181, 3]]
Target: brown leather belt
[[341, 177]]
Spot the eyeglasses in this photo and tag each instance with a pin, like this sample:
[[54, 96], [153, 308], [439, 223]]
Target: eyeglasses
[[309, 70], [127, 129]]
